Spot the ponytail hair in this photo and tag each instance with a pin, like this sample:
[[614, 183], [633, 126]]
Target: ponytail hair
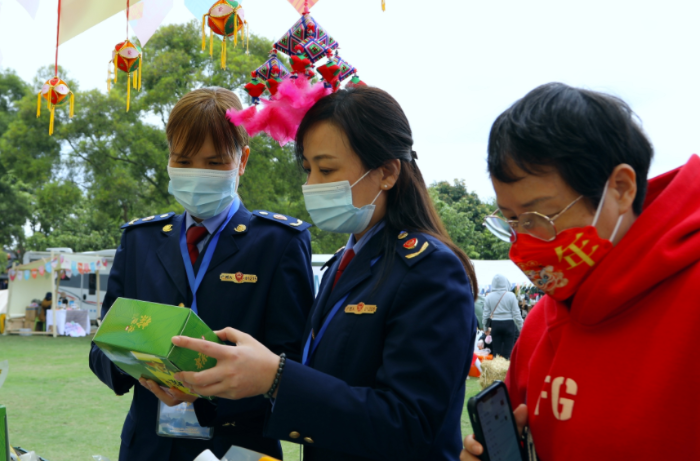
[[378, 131]]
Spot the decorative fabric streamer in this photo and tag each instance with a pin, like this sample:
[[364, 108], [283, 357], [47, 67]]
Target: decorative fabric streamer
[[80, 15], [147, 16], [299, 5], [280, 115], [32, 6]]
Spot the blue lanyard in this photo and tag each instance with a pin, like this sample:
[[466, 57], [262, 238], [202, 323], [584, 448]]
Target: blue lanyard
[[194, 282], [312, 344]]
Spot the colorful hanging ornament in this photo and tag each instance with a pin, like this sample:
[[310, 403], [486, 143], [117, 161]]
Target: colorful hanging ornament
[[304, 28], [355, 82], [128, 58], [335, 71], [290, 98], [227, 19], [265, 71], [55, 90], [57, 94], [255, 88], [301, 64], [274, 81], [313, 49]]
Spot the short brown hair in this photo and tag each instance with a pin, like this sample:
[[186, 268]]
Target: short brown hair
[[200, 113]]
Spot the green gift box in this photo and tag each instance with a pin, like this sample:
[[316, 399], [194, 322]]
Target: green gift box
[[136, 336], [4, 436]]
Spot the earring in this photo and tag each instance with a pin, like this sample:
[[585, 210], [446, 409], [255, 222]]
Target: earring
[[386, 186]]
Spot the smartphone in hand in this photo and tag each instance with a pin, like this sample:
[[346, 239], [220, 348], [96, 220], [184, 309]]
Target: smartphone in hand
[[494, 425]]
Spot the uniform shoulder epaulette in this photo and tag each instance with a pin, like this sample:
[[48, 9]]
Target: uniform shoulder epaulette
[[148, 220], [332, 259], [413, 247], [289, 221]]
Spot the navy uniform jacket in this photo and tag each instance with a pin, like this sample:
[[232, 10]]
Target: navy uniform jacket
[[148, 266], [387, 385]]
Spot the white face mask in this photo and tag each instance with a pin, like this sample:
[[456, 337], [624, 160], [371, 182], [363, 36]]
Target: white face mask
[[204, 193], [331, 209]]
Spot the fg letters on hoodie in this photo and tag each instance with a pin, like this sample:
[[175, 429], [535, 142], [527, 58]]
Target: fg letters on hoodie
[[598, 377]]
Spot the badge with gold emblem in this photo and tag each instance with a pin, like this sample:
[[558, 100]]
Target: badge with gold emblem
[[167, 228], [411, 244], [239, 277], [360, 308]]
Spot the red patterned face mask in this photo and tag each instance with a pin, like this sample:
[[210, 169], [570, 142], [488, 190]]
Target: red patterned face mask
[[560, 266]]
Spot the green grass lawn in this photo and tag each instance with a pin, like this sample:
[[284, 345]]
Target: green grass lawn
[[59, 409]]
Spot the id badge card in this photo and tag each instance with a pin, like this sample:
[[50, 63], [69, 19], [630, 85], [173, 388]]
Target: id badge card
[[180, 421]]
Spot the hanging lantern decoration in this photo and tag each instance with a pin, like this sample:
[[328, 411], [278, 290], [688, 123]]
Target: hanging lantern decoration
[[55, 90], [225, 18], [56, 93], [128, 58]]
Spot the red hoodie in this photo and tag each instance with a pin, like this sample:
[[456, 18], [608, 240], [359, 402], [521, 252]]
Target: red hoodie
[[600, 379]]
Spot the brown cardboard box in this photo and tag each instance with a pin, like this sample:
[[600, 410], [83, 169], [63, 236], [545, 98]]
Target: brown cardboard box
[[14, 324], [31, 313]]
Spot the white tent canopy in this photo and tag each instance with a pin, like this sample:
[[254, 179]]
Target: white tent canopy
[[486, 270], [33, 280], [3, 301]]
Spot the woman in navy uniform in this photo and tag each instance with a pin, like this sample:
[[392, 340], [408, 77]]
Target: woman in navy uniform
[[389, 342], [257, 277]]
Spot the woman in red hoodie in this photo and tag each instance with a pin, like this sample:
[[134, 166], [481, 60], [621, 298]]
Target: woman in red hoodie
[[619, 259]]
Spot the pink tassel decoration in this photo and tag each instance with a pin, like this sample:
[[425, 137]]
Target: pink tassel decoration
[[281, 115]]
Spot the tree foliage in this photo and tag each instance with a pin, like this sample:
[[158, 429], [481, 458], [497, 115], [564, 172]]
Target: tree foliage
[[107, 166], [463, 214]]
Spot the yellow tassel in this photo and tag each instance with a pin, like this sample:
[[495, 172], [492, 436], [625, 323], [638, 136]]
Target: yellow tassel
[[211, 43], [383, 5], [135, 79], [247, 43], [235, 29], [72, 105], [140, 72], [38, 104], [128, 93], [223, 53], [109, 80], [53, 109], [204, 32], [116, 69]]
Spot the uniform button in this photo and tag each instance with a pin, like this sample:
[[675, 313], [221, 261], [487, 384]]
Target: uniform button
[[294, 435], [308, 440]]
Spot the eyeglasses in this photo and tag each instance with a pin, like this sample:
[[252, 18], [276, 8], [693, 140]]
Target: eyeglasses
[[531, 222]]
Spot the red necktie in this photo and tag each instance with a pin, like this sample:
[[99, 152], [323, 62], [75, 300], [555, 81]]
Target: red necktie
[[347, 257], [195, 234]]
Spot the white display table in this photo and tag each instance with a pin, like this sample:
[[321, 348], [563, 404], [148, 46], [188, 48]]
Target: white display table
[[63, 316]]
